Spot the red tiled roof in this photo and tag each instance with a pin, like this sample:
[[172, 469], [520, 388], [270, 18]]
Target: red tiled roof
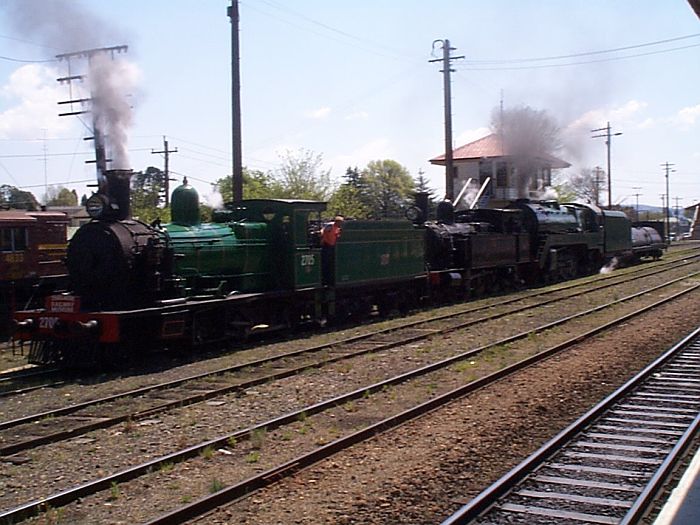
[[488, 147]]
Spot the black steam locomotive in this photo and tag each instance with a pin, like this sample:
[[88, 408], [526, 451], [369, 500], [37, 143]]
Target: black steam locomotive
[[259, 266]]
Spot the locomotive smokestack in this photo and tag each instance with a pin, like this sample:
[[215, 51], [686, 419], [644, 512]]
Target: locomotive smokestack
[[118, 184], [421, 201]]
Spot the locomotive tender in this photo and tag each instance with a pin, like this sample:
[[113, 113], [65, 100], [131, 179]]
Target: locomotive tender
[[257, 266]]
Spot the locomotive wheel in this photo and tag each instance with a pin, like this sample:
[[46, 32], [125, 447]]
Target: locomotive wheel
[[479, 287]]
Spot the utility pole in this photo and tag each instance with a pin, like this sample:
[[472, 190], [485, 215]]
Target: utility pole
[[597, 185], [166, 152], [449, 169], [667, 169], [637, 204], [608, 135], [676, 208], [676, 212], [236, 151], [112, 185], [46, 171]]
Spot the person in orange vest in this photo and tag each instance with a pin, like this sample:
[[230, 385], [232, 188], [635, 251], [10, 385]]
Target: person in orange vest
[[329, 237]]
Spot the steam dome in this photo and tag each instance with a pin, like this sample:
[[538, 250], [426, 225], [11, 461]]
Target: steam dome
[[185, 205]]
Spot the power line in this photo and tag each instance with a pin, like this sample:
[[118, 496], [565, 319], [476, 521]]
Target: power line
[[41, 155], [611, 59], [56, 183], [394, 53], [10, 59], [28, 42], [585, 53]]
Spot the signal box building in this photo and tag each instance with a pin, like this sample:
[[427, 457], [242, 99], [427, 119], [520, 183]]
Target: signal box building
[[511, 178]]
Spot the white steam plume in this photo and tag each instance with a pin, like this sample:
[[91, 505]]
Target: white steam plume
[[111, 81], [67, 26]]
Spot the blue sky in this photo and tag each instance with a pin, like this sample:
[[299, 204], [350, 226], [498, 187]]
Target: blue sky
[[351, 81]]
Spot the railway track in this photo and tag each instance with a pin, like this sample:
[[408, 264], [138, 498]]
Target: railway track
[[282, 470], [23, 433], [608, 466], [28, 377]]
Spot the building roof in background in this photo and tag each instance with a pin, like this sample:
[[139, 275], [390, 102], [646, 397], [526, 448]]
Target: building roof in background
[[491, 146], [71, 211], [29, 216]]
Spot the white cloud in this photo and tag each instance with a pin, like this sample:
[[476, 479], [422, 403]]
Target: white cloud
[[470, 135], [377, 149], [646, 123], [319, 113], [358, 115], [30, 104], [687, 116], [625, 115]]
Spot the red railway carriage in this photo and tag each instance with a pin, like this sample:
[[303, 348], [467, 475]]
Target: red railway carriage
[[32, 254]]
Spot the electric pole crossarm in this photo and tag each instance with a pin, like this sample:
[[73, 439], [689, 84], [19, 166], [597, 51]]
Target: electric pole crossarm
[[608, 135], [449, 169], [166, 152], [667, 204]]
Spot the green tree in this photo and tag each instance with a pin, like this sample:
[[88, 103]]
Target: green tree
[[348, 199], [147, 195], [256, 185], [421, 186], [60, 196], [12, 197], [302, 176], [581, 186], [389, 188]]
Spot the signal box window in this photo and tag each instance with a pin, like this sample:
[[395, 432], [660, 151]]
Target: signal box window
[[13, 239], [502, 175]]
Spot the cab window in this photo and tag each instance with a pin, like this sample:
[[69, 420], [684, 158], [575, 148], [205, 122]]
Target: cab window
[[13, 239]]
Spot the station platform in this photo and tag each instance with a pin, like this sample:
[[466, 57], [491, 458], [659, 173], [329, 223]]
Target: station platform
[[683, 506]]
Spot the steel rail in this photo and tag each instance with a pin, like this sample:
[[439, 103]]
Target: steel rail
[[240, 490], [26, 372], [105, 422], [486, 499], [658, 268], [27, 389], [67, 496], [350, 340]]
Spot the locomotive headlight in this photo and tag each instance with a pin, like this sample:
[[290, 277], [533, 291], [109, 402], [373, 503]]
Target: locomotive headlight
[[413, 213], [96, 206]]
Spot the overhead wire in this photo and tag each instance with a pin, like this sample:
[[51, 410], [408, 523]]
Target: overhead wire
[[585, 53], [358, 41], [547, 66], [24, 61]]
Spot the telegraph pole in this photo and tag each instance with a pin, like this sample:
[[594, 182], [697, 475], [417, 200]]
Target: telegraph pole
[[608, 135], [449, 169], [597, 185], [676, 212], [166, 152], [236, 151], [98, 136], [637, 197], [667, 169]]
